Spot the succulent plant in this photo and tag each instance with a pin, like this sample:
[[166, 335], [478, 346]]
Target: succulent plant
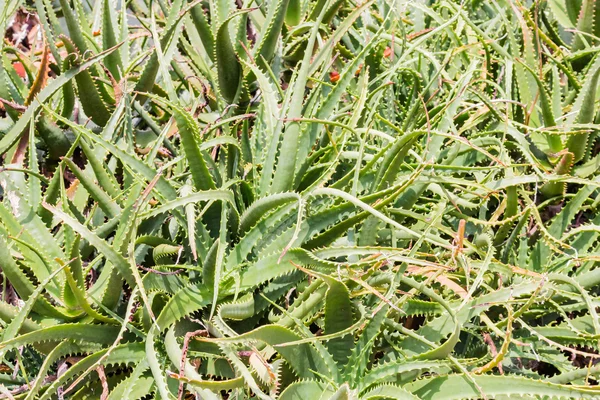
[[299, 199]]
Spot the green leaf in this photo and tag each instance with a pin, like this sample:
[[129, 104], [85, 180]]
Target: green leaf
[[461, 387], [12, 136]]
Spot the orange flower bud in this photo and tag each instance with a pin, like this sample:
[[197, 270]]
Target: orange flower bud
[[19, 69], [334, 76], [360, 67]]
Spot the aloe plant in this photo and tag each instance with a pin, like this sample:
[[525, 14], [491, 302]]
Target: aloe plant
[[291, 199]]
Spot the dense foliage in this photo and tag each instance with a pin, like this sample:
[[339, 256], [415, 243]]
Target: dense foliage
[[290, 199]]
